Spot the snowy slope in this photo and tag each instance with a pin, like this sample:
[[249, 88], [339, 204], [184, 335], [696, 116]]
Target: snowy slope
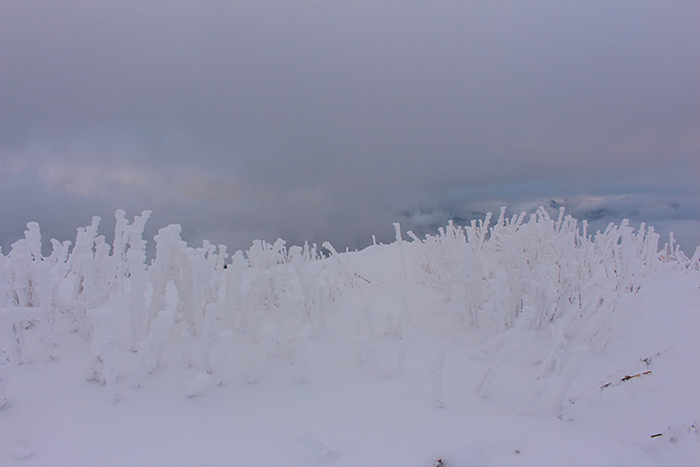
[[372, 358]]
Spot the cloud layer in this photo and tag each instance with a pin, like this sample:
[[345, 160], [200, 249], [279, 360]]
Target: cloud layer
[[318, 120]]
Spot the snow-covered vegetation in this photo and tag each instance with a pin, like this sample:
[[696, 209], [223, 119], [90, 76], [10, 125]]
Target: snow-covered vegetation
[[524, 323]]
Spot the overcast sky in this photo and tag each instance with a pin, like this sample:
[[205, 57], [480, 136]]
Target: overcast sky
[[329, 120]]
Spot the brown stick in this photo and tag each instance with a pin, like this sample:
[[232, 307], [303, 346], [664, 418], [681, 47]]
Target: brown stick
[[626, 378]]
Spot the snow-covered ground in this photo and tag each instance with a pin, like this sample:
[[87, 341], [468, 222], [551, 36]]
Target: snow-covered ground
[[409, 354]]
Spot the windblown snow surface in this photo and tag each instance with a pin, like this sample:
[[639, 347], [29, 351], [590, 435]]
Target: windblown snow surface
[[523, 342]]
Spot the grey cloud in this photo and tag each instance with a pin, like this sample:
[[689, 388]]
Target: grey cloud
[[327, 120]]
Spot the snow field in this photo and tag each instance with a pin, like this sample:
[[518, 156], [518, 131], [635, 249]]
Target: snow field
[[517, 343]]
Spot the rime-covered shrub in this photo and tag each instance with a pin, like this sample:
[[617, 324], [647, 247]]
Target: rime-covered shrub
[[507, 279], [25, 272], [537, 271], [104, 349], [517, 276]]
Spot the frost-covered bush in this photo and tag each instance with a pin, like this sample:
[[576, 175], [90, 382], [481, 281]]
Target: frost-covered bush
[[27, 292], [104, 349], [515, 277], [195, 272], [507, 279], [25, 271], [536, 271]]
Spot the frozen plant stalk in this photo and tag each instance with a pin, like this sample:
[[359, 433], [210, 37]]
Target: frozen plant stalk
[[4, 372], [437, 372], [104, 350], [399, 242]]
